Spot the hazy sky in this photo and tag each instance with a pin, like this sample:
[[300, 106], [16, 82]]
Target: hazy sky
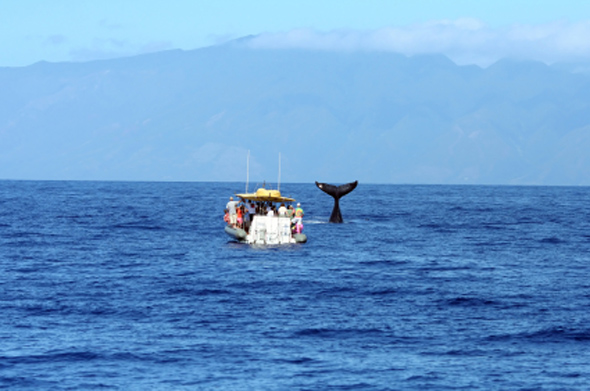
[[469, 31]]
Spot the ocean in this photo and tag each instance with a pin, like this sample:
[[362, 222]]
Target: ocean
[[135, 286]]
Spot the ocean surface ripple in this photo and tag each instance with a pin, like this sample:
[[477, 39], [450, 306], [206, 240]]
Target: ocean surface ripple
[[135, 286]]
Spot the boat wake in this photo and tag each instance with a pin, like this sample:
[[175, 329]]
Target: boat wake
[[306, 221], [327, 222]]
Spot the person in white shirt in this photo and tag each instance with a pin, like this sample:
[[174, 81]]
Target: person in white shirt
[[270, 212], [282, 211], [231, 206]]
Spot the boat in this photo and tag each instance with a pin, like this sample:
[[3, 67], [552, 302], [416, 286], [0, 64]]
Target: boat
[[264, 229]]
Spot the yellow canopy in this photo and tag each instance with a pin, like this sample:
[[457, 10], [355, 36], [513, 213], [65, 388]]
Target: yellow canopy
[[265, 195]]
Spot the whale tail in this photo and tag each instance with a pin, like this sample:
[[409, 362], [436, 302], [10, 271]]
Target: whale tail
[[337, 192]]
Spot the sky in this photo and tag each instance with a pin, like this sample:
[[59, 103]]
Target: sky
[[468, 31]]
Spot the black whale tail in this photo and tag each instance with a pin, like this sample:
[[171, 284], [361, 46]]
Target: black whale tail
[[337, 192]]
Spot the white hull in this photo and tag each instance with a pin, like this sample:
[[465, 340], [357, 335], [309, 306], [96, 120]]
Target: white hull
[[267, 230]]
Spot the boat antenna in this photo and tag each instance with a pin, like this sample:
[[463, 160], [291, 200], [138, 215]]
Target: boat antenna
[[247, 170], [279, 184]]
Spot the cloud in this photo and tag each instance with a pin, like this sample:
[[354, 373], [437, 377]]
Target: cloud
[[107, 48], [154, 46], [218, 39], [103, 49], [466, 41], [109, 25], [56, 39]]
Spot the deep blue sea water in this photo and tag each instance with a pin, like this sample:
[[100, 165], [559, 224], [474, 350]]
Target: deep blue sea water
[[135, 286]]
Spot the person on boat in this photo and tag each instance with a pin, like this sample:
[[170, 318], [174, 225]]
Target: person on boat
[[282, 211], [290, 212], [231, 206], [246, 216], [226, 216], [298, 219], [240, 216], [270, 211], [249, 213], [251, 210]]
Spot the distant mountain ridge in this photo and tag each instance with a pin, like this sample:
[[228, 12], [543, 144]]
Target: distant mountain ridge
[[335, 117]]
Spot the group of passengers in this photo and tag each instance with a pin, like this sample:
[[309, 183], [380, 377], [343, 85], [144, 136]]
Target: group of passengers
[[239, 214]]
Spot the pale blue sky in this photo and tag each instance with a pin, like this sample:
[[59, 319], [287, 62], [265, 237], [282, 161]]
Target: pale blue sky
[[78, 30]]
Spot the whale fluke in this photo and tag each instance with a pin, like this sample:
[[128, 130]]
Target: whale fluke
[[337, 192]]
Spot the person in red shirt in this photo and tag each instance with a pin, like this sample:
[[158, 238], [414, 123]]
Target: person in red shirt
[[240, 216]]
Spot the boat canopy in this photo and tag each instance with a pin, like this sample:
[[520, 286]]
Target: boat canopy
[[265, 195]]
